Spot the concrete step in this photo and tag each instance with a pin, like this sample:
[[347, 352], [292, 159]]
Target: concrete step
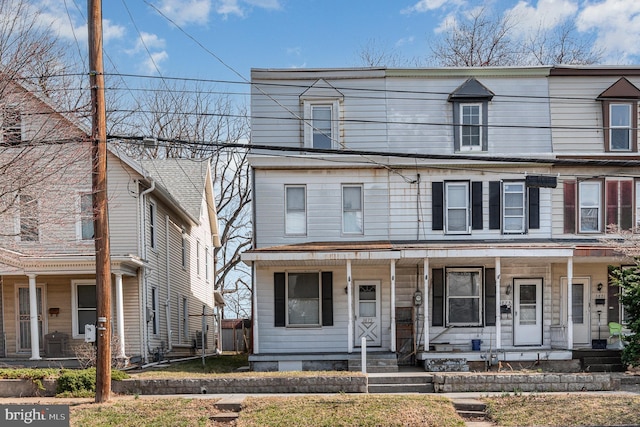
[[470, 409], [401, 388], [596, 360], [401, 379], [605, 367], [230, 404], [225, 417]]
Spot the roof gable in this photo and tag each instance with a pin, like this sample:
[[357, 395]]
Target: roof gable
[[471, 89], [321, 89], [623, 88]]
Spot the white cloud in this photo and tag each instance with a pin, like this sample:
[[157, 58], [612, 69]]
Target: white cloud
[[150, 47], [545, 15], [427, 5], [239, 7], [186, 11], [405, 41], [617, 25], [153, 62]]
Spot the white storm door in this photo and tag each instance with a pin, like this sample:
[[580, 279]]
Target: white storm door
[[580, 310], [367, 313], [527, 316]]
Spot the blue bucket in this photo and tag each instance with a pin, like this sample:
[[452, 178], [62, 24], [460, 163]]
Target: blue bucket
[[475, 345]]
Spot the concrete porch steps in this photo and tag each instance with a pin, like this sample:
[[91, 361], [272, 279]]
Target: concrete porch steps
[[600, 360], [470, 409], [384, 362], [400, 383]]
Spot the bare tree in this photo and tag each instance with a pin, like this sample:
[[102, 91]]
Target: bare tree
[[561, 45], [373, 54], [192, 121]]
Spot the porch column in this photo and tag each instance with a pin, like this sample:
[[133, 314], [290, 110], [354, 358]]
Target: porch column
[[349, 309], [498, 316], [120, 316], [392, 347], [254, 311], [425, 304], [569, 304], [33, 318]]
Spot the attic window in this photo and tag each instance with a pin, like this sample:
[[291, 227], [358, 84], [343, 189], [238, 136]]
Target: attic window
[[11, 126], [470, 110], [321, 109], [620, 116]]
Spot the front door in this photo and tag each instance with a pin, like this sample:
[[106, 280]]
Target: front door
[[527, 315], [580, 310], [367, 312], [24, 316]]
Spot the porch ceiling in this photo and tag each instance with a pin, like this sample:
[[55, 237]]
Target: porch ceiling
[[21, 264]]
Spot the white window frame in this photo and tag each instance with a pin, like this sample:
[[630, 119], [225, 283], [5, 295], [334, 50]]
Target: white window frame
[[84, 216], [309, 128], [198, 255], [207, 264], [11, 127], [613, 127], [33, 214], [463, 126], [153, 224], [290, 303], [448, 208], [510, 215], [183, 251], [184, 318], [155, 326], [584, 205], [449, 297], [289, 223], [74, 306], [637, 207], [350, 212]]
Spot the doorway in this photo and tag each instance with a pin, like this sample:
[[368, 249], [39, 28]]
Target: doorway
[[367, 313], [527, 316]]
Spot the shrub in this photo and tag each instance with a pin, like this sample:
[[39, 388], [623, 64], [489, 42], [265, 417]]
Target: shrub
[[77, 383], [629, 281]]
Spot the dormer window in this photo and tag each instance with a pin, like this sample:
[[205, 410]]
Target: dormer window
[[620, 116], [321, 116], [11, 126], [470, 116]]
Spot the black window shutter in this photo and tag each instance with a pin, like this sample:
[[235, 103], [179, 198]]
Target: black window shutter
[[476, 205], [494, 205], [490, 296], [437, 315], [534, 208], [327, 298], [279, 299], [437, 205]]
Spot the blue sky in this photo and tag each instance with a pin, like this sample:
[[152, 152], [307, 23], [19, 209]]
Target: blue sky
[[311, 33]]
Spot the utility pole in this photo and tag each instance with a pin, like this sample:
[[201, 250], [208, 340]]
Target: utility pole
[[99, 187]]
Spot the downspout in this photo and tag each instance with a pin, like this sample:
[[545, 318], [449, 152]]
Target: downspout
[[167, 307], [143, 251]]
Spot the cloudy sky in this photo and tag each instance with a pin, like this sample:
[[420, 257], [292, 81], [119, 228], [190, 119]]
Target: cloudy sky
[[224, 39]]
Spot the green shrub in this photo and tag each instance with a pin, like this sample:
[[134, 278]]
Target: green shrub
[[629, 280], [77, 383]]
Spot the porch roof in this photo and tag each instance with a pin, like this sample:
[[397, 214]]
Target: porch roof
[[337, 253]]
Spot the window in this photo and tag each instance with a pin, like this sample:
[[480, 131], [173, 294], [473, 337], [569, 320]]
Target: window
[[207, 271], [464, 303], [86, 216], [183, 251], [470, 131], [589, 199], [457, 207], [296, 210], [352, 218], [513, 208], [321, 128], [303, 299], [29, 223], [152, 225], [185, 319], [198, 250], [84, 304], [155, 321], [620, 127], [619, 203], [11, 126], [637, 206]]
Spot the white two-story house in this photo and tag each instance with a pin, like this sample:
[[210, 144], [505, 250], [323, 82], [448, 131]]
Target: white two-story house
[[163, 231], [423, 213]]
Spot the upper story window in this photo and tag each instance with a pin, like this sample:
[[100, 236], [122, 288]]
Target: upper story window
[[513, 207], [152, 225], [590, 210], [86, 217], [352, 212], [29, 220], [295, 218], [321, 104], [11, 126], [457, 207], [470, 116], [620, 116], [183, 250]]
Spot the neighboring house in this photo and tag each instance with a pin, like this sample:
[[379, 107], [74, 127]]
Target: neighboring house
[[432, 212], [163, 229]]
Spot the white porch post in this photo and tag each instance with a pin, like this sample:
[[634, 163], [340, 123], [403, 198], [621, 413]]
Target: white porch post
[[425, 303], [254, 311], [392, 347], [349, 310], [498, 316], [33, 318], [569, 305], [120, 315]]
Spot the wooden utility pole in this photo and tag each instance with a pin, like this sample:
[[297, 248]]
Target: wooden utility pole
[[101, 219]]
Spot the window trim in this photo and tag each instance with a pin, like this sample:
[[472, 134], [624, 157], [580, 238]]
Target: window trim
[[462, 126], [183, 250], [155, 309], [613, 127], [207, 264], [288, 324], [33, 203], [74, 305], [286, 210], [153, 223], [599, 206], [525, 207], [82, 216], [479, 297], [198, 254], [467, 208], [361, 210], [309, 130], [15, 128]]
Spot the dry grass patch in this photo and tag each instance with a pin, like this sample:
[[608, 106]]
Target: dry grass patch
[[349, 410], [572, 409], [146, 412]]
